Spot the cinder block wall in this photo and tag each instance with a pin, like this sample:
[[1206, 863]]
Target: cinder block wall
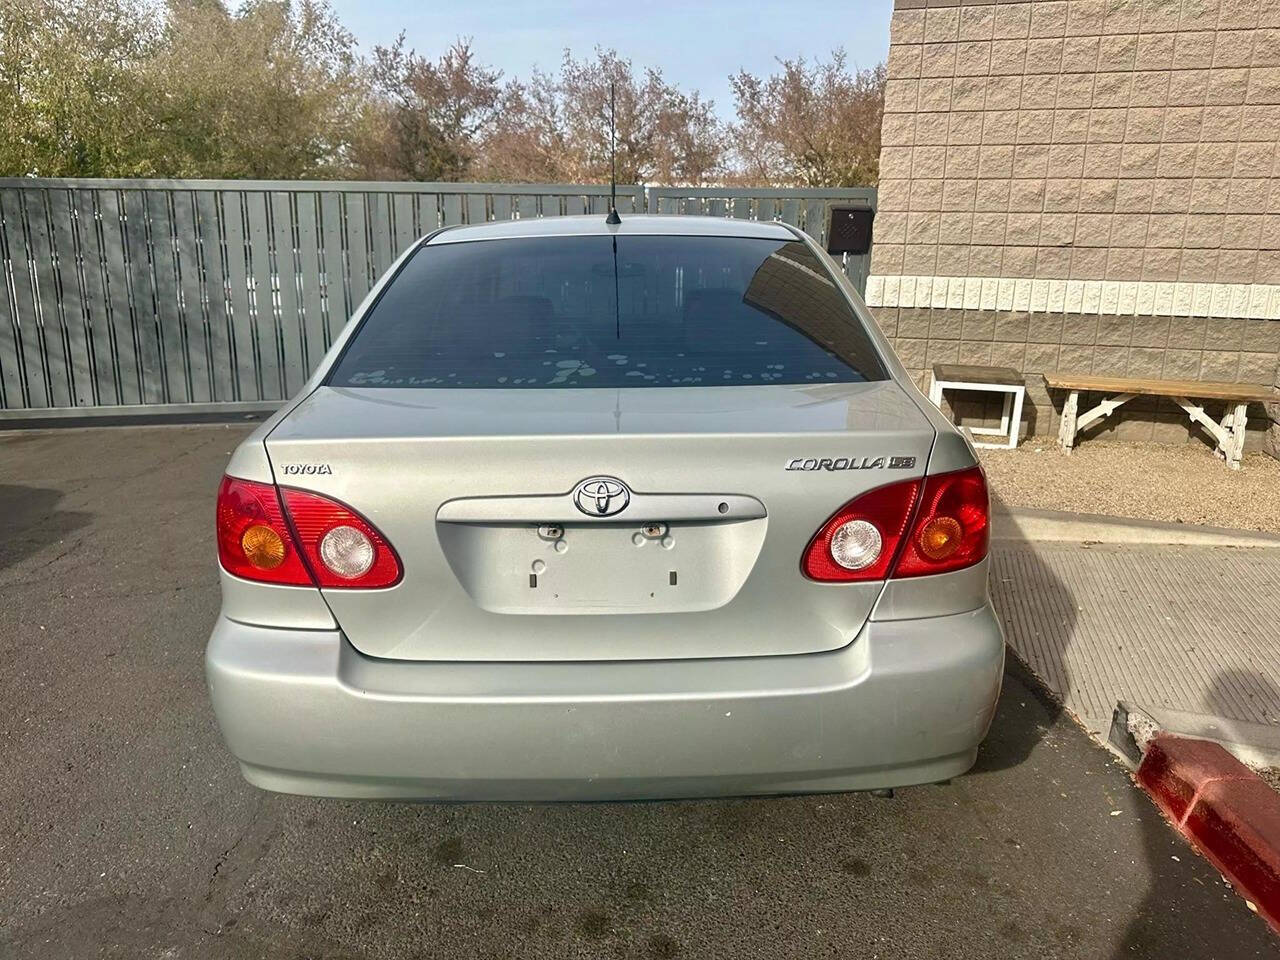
[[1084, 185]]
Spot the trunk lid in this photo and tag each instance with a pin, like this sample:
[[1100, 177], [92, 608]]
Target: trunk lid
[[475, 490]]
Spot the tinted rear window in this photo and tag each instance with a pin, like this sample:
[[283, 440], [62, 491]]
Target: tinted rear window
[[638, 311]]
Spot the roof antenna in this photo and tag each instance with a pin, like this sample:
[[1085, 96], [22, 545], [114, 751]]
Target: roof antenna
[[613, 217]]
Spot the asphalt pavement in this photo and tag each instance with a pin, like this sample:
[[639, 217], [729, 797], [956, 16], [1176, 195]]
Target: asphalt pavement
[[126, 831]]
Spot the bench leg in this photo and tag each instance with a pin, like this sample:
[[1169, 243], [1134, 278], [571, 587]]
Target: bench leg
[[1239, 421], [1228, 435], [1015, 422], [1067, 426], [1223, 435], [935, 391]]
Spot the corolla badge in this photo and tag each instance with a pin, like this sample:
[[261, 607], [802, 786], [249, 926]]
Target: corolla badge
[[601, 496]]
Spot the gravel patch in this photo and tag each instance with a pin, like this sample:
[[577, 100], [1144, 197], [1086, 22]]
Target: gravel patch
[[1146, 481], [1272, 776]]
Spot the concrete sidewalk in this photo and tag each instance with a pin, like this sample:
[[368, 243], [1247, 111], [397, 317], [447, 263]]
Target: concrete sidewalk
[[1188, 632]]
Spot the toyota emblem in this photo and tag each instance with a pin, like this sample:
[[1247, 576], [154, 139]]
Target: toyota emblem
[[601, 496]]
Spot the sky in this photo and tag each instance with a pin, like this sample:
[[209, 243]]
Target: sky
[[696, 44]]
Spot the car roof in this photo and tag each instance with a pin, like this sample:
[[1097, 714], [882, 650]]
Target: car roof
[[631, 225]]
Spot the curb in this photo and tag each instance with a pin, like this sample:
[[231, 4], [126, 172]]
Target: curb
[[1063, 526], [1225, 809]]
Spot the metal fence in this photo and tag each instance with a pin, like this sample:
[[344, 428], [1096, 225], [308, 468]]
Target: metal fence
[[139, 295]]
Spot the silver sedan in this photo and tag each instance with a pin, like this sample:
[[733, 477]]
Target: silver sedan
[[574, 509]]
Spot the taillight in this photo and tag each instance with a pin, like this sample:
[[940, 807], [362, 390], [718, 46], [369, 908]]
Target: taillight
[[306, 540], [867, 538], [952, 527], [254, 541], [861, 539], [343, 548]]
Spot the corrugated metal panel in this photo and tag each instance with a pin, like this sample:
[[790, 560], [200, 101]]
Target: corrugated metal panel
[[150, 294]]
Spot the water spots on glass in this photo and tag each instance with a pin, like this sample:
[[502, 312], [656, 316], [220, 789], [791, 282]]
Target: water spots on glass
[[571, 368]]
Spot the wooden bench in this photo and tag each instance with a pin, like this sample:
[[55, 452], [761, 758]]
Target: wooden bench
[[1005, 380], [1228, 433]]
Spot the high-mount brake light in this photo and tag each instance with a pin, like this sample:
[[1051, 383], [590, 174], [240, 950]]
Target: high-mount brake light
[[912, 528]]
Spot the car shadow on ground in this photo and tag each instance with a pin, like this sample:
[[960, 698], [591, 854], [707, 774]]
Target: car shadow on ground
[[1039, 613], [30, 521], [1027, 594]]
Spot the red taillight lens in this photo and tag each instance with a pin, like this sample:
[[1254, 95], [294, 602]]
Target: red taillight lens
[[254, 541], [343, 549], [952, 527], [887, 509], [950, 531], [320, 542]]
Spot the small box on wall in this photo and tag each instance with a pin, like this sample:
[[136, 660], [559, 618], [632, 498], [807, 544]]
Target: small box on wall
[[849, 230]]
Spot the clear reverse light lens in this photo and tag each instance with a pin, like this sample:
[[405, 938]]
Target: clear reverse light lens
[[856, 544], [347, 552]]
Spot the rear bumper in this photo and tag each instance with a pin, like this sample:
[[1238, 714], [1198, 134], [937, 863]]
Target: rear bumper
[[906, 702]]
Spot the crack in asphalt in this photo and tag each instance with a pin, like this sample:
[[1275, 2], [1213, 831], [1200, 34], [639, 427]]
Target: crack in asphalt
[[226, 854], [221, 880]]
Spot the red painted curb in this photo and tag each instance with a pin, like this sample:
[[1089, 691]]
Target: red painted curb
[[1224, 808]]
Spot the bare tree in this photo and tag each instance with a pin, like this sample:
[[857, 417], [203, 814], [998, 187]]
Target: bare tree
[[427, 116], [812, 124], [558, 127], [278, 89], [527, 141]]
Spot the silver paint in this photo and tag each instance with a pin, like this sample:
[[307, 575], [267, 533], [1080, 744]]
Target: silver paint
[[537, 651]]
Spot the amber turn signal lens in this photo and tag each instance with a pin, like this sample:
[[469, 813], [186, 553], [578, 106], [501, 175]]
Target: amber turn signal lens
[[262, 547], [940, 538]]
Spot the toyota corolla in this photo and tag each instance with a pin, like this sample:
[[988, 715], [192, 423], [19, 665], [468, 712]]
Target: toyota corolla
[[576, 509]]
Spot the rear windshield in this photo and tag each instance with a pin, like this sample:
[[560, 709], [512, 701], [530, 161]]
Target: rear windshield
[[635, 311]]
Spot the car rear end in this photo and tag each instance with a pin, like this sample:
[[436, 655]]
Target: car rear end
[[575, 511]]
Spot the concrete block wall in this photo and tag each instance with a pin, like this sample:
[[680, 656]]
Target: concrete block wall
[[1083, 185]]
